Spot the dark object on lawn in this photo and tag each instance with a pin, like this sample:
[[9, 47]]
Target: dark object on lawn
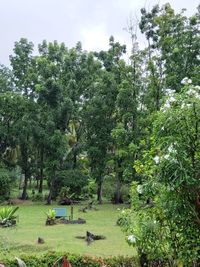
[[40, 240], [79, 221], [50, 221], [68, 202], [89, 238], [8, 223]]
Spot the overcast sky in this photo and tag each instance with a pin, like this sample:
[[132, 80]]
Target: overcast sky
[[90, 21]]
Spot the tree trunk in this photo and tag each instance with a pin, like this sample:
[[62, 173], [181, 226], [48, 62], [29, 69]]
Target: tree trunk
[[49, 198], [26, 177], [118, 199], [41, 171], [99, 192], [52, 183], [37, 182]]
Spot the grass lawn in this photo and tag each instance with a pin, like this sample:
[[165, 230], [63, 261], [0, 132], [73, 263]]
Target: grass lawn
[[23, 237]]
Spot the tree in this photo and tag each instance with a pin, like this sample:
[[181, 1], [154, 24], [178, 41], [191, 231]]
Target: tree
[[169, 196], [99, 123]]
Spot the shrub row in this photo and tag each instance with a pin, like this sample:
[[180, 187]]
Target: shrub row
[[48, 260]]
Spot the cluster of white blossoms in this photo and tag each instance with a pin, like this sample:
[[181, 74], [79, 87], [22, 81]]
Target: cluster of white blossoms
[[170, 100], [169, 156], [131, 239], [192, 92], [139, 189], [157, 159], [186, 81]]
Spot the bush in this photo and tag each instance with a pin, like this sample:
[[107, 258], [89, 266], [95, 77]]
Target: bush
[[50, 258], [89, 190], [37, 197], [74, 179], [125, 193], [109, 190], [5, 184], [65, 196]]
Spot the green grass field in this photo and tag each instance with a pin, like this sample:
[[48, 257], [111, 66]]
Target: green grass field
[[22, 238]]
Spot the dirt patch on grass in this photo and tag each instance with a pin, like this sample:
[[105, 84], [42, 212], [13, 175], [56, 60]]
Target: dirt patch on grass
[[16, 201]]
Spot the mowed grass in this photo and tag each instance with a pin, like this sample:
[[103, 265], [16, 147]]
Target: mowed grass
[[61, 237]]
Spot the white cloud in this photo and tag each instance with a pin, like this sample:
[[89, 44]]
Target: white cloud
[[95, 38]]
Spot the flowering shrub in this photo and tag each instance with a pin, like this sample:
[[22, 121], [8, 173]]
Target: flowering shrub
[[166, 207]]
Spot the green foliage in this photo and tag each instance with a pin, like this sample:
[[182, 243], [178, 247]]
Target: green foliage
[[65, 196], [89, 190], [51, 213], [37, 197], [7, 215], [5, 184], [73, 179], [165, 206], [75, 260]]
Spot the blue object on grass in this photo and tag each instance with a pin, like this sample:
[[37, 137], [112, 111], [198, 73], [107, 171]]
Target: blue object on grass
[[60, 212]]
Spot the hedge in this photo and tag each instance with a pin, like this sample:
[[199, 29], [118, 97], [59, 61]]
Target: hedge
[[47, 260]]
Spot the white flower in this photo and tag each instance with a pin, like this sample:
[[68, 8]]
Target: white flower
[[189, 105], [123, 211], [169, 91], [156, 159], [166, 106], [197, 96], [171, 99], [191, 92], [186, 80], [131, 239], [167, 157], [171, 149], [183, 105], [139, 189], [197, 87]]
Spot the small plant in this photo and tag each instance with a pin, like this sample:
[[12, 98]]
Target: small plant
[[7, 216], [65, 197], [51, 217]]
